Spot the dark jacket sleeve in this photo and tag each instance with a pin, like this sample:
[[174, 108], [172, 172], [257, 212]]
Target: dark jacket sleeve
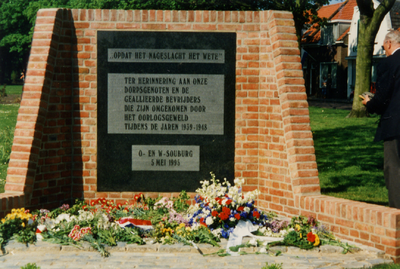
[[384, 89]]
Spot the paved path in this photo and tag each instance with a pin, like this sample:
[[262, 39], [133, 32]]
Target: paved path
[[54, 256]]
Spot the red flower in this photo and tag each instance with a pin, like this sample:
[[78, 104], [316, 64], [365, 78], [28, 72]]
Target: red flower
[[214, 213], [219, 200], [228, 202], [226, 210], [237, 216], [202, 222], [256, 214], [240, 208], [223, 216], [311, 237]]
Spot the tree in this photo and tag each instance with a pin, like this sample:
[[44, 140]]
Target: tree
[[17, 19], [370, 21]]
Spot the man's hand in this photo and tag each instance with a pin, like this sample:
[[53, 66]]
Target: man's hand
[[365, 100]]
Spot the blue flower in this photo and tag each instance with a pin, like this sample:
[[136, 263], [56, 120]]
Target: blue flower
[[224, 234]]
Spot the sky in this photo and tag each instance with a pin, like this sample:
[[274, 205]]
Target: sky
[[335, 1]]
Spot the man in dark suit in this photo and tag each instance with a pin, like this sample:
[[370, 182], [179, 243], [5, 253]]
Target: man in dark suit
[[386, 102]]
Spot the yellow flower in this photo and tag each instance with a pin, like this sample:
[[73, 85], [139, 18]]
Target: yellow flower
[[316, 242], [3, 220], [23, 224], [12, 210], [181, 225], [297, 227], [301, 235]]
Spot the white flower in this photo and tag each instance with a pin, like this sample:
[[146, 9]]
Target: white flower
[[282, 233], [217, 232], [62, 217], [206, 211], [247, 209], [195, 226], [85, 215], [232, 219], [209, 221]]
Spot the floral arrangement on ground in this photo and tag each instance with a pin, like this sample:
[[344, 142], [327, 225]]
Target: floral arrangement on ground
[[219, 208]]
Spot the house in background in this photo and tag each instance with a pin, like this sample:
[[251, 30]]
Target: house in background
[[329, 52], [391, 21], [324, 50]]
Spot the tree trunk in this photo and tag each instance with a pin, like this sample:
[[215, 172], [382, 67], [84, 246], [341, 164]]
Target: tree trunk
[[365, 50], [369, 24]]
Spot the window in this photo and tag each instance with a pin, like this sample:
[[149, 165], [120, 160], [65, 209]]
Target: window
[[329, 72]]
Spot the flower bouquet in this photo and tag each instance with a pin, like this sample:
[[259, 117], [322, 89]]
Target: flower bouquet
[[219, 209], [220, 206]]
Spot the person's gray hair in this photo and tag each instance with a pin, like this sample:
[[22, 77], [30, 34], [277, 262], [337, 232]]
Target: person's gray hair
[[393, 36]]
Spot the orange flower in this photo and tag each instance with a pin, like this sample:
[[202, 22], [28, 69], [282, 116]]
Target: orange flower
[[310, 237]]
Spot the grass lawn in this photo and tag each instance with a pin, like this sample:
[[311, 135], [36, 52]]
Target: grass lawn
[[350, 164], [13, 89], [387, 266], [8, 119]]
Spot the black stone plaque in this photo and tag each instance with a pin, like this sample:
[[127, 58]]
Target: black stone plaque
[[166, 109]]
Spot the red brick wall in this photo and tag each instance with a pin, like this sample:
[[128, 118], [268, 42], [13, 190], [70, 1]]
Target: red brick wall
[[53, 158]]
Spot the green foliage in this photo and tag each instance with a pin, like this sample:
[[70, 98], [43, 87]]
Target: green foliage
[[181, 202], [14, 76], [61, 238], [3, 92], [14, 89], [30, 266], [6, 141], [97, 244], [26, 234], [387, 266], [8, 118], [272, 266], [8, 229], [130, 236]]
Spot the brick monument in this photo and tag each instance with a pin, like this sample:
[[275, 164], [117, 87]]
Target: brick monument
[[55, 156]]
